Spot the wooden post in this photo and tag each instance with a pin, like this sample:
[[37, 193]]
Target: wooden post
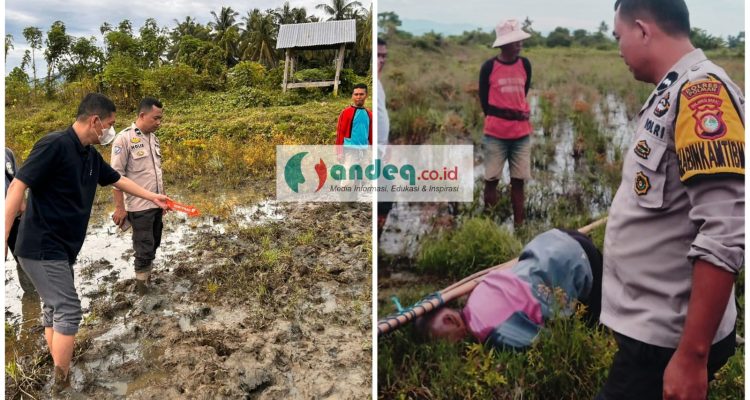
[[293, 64], [286, 66], [339, 64]]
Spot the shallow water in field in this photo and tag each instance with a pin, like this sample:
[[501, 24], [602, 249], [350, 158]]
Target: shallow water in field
[[554, 174]]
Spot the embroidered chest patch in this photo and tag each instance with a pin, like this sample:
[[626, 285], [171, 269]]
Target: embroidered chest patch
[[642, 184], [642, 150]]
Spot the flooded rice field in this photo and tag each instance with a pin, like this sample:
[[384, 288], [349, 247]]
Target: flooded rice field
[[560, 170], [269, 302]]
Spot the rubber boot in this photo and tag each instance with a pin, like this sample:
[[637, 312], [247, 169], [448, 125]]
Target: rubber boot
[[491, 197], [141, 282]]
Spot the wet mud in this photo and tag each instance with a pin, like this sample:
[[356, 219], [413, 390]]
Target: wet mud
[[270, 302]]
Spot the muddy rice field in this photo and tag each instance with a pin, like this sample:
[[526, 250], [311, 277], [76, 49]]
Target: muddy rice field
[[269, 301]]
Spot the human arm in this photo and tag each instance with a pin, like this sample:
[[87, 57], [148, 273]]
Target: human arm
[[527, 68], [369, 127], [716, 192], [119, 162], [341, 128], [484, 85], [130, 187], [120, 214], [686, 375], [13, 204]]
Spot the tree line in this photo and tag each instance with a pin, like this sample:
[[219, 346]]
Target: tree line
[[389, 24], [211, 51]]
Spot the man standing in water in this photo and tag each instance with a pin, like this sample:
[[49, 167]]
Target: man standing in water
[[62, 172], [675, 236], [136, 154], [504, 82]]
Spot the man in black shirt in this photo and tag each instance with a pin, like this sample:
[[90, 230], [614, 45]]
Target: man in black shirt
[[62, 173]]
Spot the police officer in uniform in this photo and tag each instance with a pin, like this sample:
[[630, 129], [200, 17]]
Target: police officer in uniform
[[136, 154], [674, 242]]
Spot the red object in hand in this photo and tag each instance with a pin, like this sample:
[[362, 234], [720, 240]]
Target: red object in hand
[[189, 210]]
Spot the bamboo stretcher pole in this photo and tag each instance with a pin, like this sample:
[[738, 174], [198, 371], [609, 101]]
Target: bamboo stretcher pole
[[454, 291]]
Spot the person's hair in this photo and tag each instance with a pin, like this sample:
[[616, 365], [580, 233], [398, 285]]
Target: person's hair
[[593, 300], [359, 86], [672, 16], [95, 104], [382, 42], [423, 326], [147, 103]]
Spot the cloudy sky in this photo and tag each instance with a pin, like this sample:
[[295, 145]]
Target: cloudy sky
[[718, 17], [84, 17]]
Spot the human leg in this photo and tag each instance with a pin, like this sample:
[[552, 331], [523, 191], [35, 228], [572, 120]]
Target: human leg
[[495, 153], [519, 162], [517, 201], [147, 227], [54, 281]]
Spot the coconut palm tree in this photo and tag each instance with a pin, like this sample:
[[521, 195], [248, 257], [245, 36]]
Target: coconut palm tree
[[259, 38], [226, 33], [287, 14], [339, 9]]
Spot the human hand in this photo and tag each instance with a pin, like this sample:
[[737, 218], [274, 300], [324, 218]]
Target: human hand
[[161, 201], [119, 216], [686, 377]]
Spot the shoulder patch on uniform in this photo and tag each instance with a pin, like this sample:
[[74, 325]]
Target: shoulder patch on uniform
[[705, 86], [667, 81], [117, 150], [663, 106], [642, 184], [709, 133]]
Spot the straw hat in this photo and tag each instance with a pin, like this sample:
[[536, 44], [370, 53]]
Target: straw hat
[[508, 32]]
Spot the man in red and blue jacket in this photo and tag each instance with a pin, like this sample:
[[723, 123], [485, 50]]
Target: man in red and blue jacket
[[354, 128]]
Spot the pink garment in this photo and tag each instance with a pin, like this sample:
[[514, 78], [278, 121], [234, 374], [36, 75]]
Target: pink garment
[[507, 91], [495, 299]]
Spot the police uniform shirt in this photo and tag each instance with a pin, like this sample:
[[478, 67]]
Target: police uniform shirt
[[137, 155], [681, 198], [62, 176], [10, 168]]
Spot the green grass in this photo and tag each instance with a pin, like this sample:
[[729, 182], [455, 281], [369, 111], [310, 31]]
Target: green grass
[[574, 89], [209, 140], [478, 244]]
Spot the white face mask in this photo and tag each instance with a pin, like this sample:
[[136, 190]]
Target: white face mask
[[108, 135]]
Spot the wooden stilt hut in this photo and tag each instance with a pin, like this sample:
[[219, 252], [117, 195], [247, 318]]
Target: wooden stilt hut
[[315, 36]]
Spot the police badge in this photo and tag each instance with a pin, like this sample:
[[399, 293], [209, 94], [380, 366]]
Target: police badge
[[642, 184], [708, 118]]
